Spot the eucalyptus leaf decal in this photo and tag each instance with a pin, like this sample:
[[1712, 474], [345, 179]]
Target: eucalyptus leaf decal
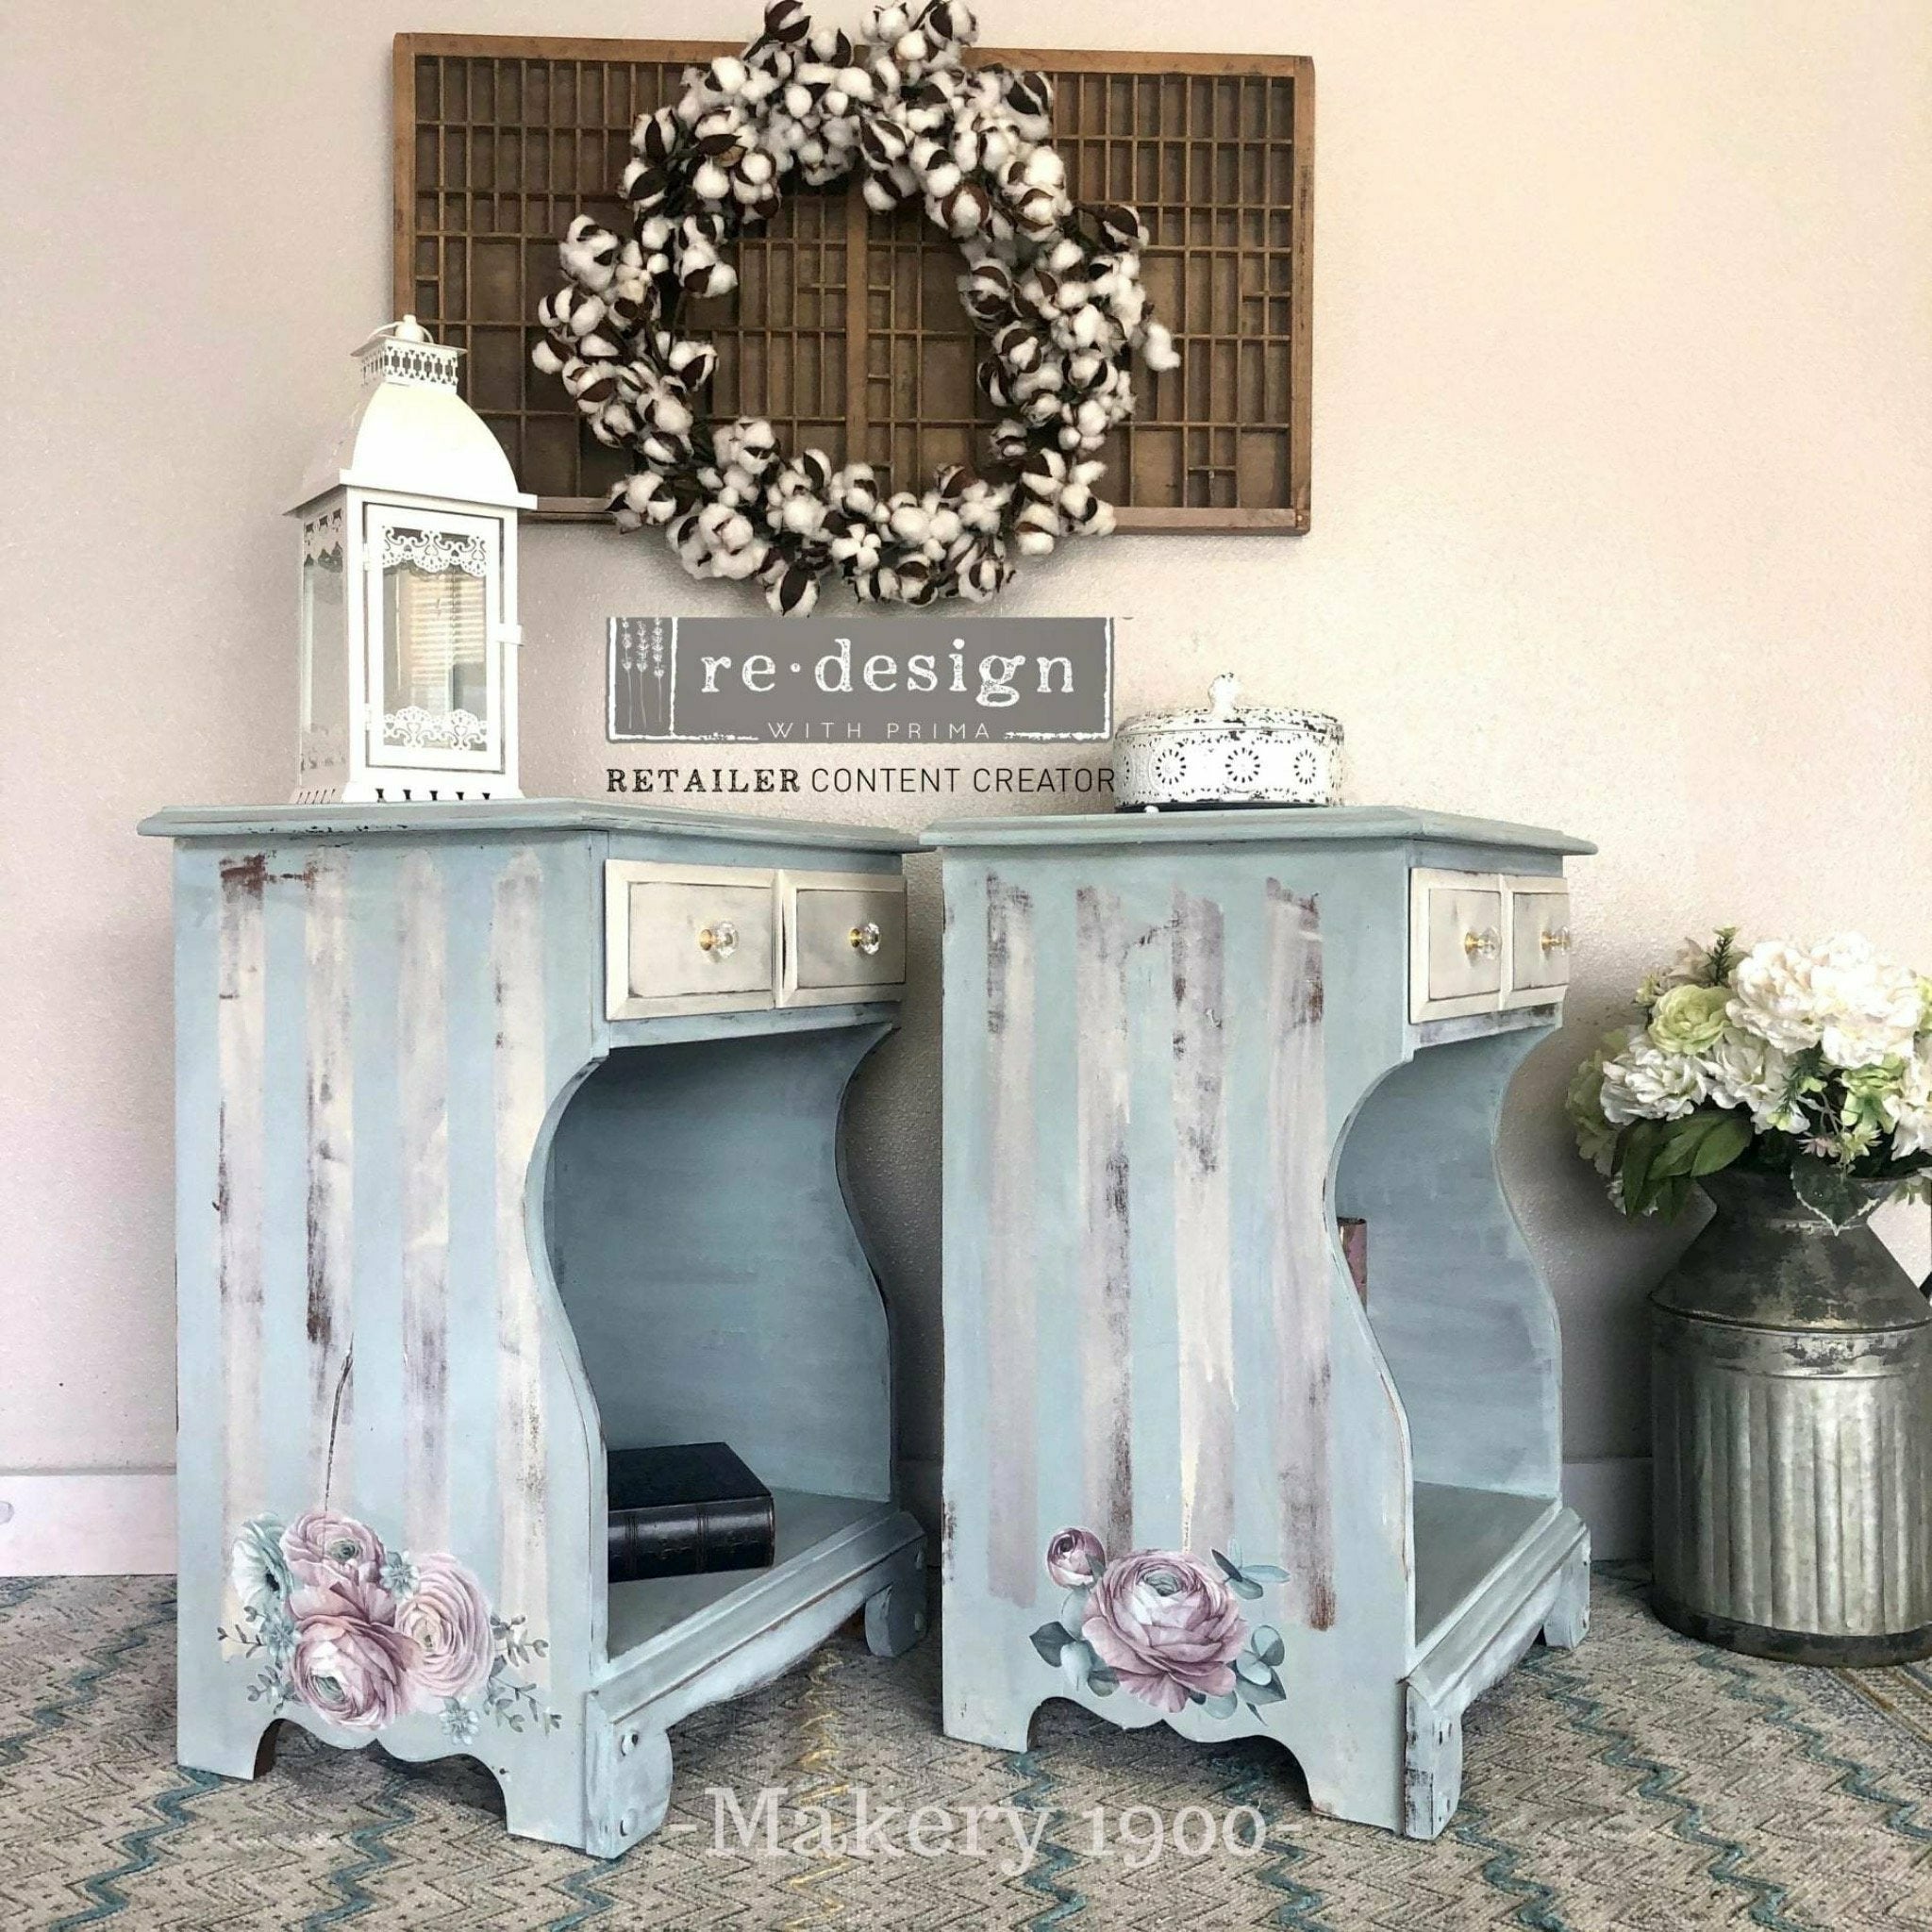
[[1050, 1640]]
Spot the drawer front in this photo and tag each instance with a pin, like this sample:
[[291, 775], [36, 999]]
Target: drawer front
[[688, 939], [844, 937], [1538, 938], [1465, 926]]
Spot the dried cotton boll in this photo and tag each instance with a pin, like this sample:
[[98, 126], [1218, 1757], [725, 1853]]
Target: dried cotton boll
[[692, 363], [786, 19], [909, 521], [795, 593], [804, 515], [546, 358], [710, 182], [715, 279], [1045, 473], [757, 443], [984, 577], [726, 75], [1156, 347], [1036, 213], [1045, 169], [963, 211], [667, 416], [943, 526], [885, 25], [655, 137], [589, 254], [1035, 529], [644, 187]]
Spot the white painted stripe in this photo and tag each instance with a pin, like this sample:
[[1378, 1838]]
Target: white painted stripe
[[239, 1023], [1204, 1296], [1014, 1541], [423, 1044], [516, 950], [330, 1313], [1100, 996], [1300, 1264]]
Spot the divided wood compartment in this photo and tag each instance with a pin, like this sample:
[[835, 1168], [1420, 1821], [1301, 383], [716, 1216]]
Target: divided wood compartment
[[846, 330]]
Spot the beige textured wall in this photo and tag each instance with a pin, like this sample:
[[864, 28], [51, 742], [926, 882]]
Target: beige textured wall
[[1623, 419]]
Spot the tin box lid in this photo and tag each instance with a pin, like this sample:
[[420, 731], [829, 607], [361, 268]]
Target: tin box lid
[[1226, 712]]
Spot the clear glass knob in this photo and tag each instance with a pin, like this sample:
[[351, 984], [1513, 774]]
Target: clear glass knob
[[720, 939], [866, 938], [1484, 944]]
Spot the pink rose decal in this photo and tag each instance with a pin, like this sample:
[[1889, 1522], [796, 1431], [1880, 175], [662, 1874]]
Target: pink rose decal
[[1075, 1558], [365, 1633], [350, 1661], [1167, 1627], [323, 1547], [446, 1618]]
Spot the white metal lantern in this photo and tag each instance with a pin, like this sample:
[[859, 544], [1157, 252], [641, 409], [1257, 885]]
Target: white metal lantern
[[408, 594]]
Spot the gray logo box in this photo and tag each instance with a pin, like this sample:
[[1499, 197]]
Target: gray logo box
[[862, 680]]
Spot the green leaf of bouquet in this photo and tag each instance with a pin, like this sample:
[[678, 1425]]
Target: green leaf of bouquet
[[1270, 1692], [1266, 1573], [1223, 1704], [1728, 1138], [1228, 1569], [1102, 1681], [1268, 1644], [1635, 1152], [1829, 1191], [1251, 1670], [1050, 1640], [1245, 1586]]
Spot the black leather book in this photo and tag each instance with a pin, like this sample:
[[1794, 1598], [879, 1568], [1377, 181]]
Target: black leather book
[[686, 1508]]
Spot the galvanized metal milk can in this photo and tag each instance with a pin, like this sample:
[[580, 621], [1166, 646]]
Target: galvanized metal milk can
[[1791, 1396]]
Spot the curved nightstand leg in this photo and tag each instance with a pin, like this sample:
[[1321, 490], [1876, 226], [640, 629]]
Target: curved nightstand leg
[[626, 1786], [1568, 1622], [1432, 1768], [895, 1616]]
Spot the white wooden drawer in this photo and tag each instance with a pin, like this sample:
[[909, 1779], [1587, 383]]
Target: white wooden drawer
[[1482, 942], [1456, 943], [842, 937], [1539, 940], [681, 939]]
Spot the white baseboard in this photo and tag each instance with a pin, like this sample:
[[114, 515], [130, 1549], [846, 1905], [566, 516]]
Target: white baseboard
[[1612, 1495], [121, 1521], [87, 1523]]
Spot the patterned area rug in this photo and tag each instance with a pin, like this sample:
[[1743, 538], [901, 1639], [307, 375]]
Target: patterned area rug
[[1643, 1781]]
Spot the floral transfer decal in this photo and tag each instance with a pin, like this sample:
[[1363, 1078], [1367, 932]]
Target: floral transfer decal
[[364, 1634], [1161, 1626]]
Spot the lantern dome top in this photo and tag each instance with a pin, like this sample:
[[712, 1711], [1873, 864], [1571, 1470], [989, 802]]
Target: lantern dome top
[[410, 433]]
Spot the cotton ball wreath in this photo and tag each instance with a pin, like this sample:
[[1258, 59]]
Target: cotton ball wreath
[[1054, 286]]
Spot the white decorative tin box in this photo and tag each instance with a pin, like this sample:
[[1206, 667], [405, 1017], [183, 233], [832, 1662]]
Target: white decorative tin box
[[1225, 756]]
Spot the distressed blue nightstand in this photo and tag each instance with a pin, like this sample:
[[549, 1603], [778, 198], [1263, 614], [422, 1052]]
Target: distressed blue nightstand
[[507, 1132], [1189, 1474]]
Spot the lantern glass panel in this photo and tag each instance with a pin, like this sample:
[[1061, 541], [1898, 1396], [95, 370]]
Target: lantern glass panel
[[434, 651], [324, 636]]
